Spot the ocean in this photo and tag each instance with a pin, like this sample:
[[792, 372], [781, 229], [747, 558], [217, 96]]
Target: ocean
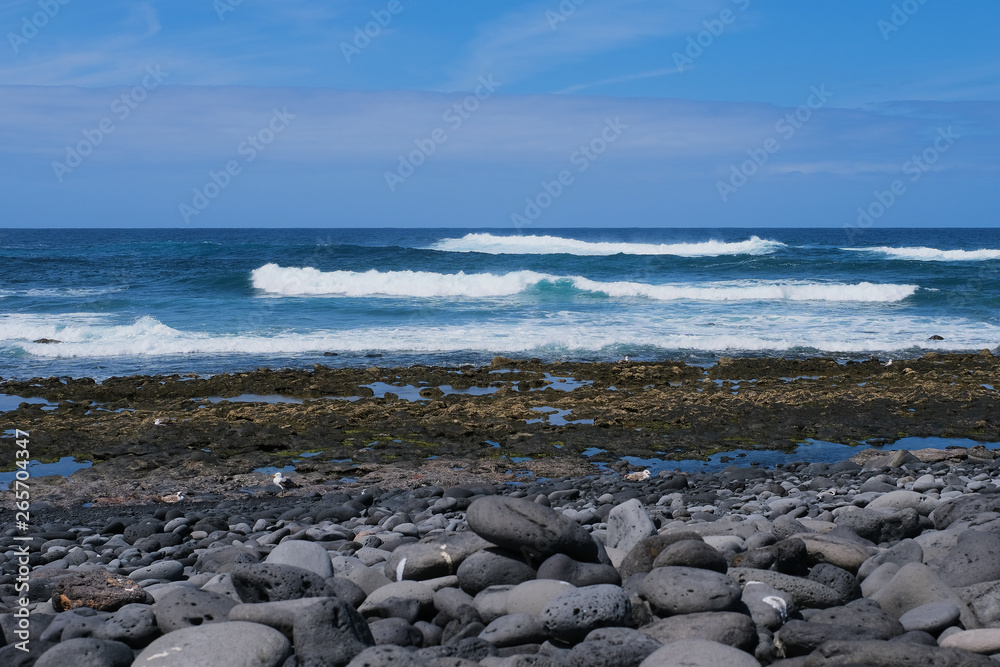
[[163, 301]]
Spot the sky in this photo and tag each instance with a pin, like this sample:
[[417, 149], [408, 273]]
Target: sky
[[521, 114]]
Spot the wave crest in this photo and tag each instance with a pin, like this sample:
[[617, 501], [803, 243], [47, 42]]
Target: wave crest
[[309, 281], [551, 245], [925, 254]]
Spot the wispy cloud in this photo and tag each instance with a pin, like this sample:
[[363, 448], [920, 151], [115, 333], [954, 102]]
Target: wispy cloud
[[526, 42], [618, 79]]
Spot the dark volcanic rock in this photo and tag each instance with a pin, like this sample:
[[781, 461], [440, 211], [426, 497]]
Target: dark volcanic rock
[[492, 567], [526, 527], [87, 652], [725, 627], [892, 654], [572, 615], [190, 607], [268, 582], [688, 590], [98, 589], [563, 568]]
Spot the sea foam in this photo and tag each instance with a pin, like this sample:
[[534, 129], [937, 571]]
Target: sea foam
[[550, 245], [924, 254], [562, 334], [308, 281]]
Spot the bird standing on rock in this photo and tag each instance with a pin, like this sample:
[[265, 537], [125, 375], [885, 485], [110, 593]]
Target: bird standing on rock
[[283, 482]]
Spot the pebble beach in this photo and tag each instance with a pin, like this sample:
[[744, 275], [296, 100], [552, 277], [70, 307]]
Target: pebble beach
[[889, 559]]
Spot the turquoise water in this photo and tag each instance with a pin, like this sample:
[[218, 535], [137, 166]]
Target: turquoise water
[[207, 301]]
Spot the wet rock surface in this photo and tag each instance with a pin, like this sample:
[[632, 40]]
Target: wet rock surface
[[883, 560], [154, 435]]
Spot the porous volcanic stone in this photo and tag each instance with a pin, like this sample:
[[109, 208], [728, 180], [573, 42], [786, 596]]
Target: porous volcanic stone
[[268, 582], [190, 607], [572, 615], [98, 589], [687, 590]]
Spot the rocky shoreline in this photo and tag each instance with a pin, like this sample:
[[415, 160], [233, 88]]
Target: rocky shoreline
[[154, 435], [420, 537], [883, 562]]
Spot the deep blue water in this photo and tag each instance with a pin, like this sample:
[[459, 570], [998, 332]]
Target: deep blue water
[[165, 301]]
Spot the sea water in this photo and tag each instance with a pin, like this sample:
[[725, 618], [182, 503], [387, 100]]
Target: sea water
[[209, 301]]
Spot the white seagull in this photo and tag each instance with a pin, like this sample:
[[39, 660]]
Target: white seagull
[[283, 482]]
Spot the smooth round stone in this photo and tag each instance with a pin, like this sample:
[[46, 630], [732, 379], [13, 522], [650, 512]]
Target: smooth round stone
[[837, 551], [905, 551], [407, 590], [861, 615], [523, 526], [396, 632], [914, 585], [926, 483], [572, 615], [564, 568], [874, 652], [492, 602], [972, 560], [514, 630], [86, 652], [229, 644], [687, 590], [133, 624], [692, 553], [611, 647], [307, 555], [807, 593], [387, 656], [961, 507], [628, 524], [436, 556], [698, 653], [641, 557], [532, 597], [170, 570], [932, 617], [492, 567], [984, 641], [726, 627]]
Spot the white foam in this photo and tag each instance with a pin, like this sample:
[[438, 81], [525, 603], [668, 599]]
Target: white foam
[[850, 330], [924, 254], [308, 281], [755, 291], [548, 245]]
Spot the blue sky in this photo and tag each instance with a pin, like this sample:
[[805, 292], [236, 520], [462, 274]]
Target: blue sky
[[680, 113]]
